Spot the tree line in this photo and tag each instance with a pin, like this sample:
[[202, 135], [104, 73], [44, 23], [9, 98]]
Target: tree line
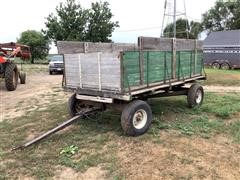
[[71, 22]]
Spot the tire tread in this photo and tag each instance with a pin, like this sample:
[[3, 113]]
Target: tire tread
[[9, 76], [126, 122]]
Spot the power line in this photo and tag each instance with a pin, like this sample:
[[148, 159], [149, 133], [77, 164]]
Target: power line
[[139, 29], [149, 28], [189, 17]]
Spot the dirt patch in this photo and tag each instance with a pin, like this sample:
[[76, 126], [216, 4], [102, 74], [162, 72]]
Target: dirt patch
[[36, 93], [222, 89], [26, 178], [234, 76], [180, 158], [93, 173]]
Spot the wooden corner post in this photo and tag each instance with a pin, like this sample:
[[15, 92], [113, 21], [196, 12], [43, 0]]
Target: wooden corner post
[[141, 60], [174, 57], [195, 55]]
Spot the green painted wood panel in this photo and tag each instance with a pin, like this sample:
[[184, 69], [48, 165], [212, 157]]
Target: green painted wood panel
[[157, 66]]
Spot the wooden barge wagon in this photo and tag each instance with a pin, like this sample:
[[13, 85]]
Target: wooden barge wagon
[[124, 76]]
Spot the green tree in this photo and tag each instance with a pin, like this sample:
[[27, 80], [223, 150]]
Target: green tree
[[39, 45], [100, 26], [184, 29], [73, 23], [225, 15], [195, 29], [68, 24]]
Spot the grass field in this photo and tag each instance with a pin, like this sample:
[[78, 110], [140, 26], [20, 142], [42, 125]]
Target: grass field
[[99, 141], [33, 68], [222, 77], [182, 143], [36, 61]]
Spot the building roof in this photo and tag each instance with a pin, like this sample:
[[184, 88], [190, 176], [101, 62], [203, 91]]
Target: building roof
[[12, 45], [223, 39]]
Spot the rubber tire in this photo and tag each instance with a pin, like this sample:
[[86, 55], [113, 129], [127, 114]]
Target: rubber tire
[[127, 118], [10, 76], [72, 105], [191, 97], [226, 65], [50, 72], [215, 65], [22, 77]]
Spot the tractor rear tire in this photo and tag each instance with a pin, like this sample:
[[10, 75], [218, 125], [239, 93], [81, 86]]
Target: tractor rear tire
[[11, 76], [22, 77]]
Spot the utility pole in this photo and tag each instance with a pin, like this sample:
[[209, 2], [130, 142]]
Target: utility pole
[[174, 19]]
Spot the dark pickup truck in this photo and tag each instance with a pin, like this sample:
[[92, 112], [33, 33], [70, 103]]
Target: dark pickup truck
[[56, 64]]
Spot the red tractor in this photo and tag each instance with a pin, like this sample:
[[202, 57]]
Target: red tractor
[[8, 69]]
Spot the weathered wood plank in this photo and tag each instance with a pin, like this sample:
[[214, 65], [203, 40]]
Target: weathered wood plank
[[165, 44], [74, 47], [98, 70]]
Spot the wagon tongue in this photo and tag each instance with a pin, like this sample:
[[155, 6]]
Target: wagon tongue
[[56, 129]]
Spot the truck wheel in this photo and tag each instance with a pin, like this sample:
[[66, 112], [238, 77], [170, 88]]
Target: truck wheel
[[195, 95], [136, 118], [215, 65], [50, 72], [22, 77], [11, 76], [225, 66]]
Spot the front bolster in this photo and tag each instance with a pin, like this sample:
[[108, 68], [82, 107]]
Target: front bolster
[[95, 98]]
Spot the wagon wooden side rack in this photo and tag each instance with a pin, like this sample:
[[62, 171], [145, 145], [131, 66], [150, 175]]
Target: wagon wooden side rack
[[123, 76]]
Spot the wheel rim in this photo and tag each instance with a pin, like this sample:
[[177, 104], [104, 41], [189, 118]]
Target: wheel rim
[[224, 66], [216, 66], [198, 96], [140, 119]]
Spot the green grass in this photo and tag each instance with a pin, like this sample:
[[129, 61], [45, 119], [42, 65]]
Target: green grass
[[224, 106], [88, 135], [211, 118], [97, 139], [36, 61], [222, 77], [234, 129], [33, 68]]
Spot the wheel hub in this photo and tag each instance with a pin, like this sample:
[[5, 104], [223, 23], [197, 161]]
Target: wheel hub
[[140, 119], [198, 97]]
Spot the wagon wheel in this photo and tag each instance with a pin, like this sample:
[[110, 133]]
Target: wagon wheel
[[225, 66], [215, 65], [76, 106], [136, 118], [195, 95]]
